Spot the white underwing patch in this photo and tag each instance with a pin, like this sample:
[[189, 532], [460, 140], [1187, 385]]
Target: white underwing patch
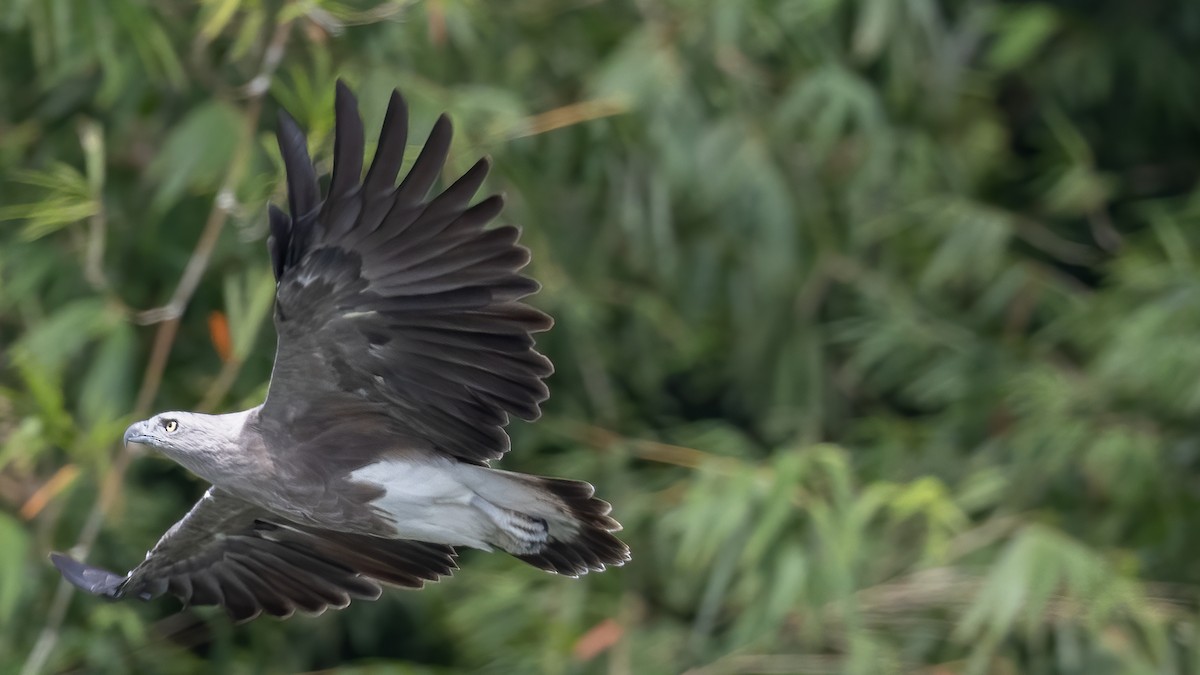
[[425, 500]]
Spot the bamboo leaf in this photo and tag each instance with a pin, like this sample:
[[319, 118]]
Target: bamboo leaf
[[14, 547]]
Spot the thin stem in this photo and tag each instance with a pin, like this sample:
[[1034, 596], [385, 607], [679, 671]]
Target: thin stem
[[221, 385]]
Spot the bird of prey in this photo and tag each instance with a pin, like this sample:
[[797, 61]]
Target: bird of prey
[[403, 347]]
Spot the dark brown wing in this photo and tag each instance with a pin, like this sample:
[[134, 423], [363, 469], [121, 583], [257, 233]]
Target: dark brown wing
[[395, 302], [229, 553]]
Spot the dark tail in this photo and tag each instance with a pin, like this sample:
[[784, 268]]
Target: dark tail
[[592, 546], [551, 523]]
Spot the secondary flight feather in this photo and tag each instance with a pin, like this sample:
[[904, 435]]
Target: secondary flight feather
[[403, 348]]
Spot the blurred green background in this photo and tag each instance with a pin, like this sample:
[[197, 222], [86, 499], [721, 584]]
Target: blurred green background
[[878, 321]]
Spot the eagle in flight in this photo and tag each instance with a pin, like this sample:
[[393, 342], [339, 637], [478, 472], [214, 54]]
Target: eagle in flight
[[403, 347]]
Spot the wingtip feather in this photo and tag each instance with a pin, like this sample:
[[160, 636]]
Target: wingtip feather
[[303, 191], [94, 580], [393, 141], [347, 145]]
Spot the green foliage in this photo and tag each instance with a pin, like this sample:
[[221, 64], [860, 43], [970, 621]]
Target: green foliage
[[876, 320]]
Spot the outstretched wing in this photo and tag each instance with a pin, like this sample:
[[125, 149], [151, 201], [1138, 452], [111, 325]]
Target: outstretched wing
[[230, 553], [396, 303]]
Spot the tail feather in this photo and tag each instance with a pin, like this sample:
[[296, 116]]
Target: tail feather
[[592, 547], [580, 538]]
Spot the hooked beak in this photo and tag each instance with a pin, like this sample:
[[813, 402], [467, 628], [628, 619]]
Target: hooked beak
[[136, 433]]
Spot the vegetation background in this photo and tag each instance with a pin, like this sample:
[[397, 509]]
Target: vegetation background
[[878, 320]]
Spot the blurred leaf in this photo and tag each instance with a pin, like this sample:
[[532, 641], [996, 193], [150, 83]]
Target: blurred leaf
[[248, 300], [14, 546], [107, 389], [1022, 31], [197, 152], [68, 200], [219, 14], [65, 334]]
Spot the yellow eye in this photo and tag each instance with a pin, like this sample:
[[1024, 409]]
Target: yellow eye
[[170, 426]]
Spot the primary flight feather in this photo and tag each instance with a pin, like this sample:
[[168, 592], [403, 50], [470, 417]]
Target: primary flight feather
[[404, 346]]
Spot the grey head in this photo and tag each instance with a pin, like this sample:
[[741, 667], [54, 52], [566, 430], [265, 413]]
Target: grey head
[[211, 446]]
